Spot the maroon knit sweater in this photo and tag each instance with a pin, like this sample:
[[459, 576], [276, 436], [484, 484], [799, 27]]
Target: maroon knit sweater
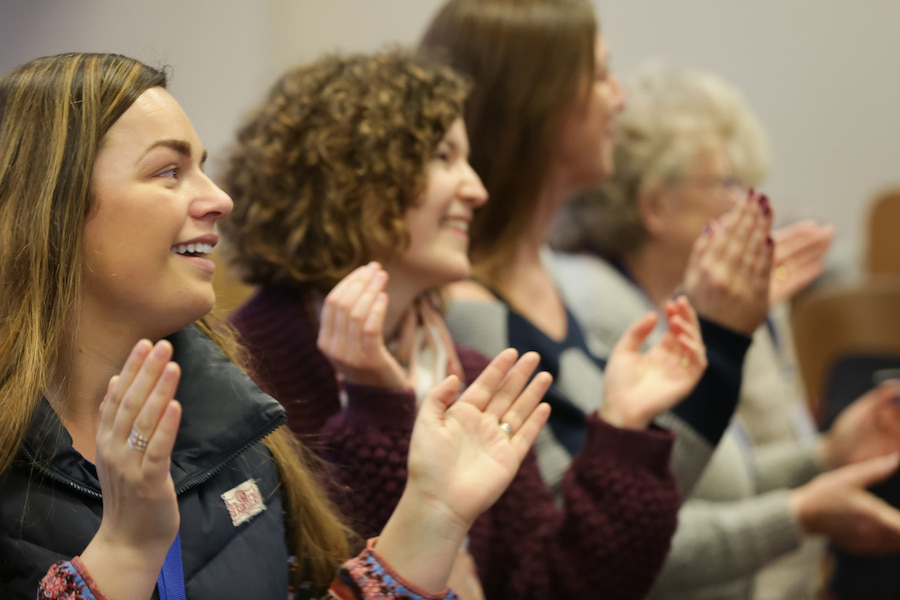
[[607, 542]]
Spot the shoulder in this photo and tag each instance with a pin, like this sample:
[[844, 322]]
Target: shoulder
[[478, 320]]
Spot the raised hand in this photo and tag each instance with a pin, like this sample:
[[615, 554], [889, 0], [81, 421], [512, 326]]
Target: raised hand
[[836, 504], [799, 254], [462, 456], [728, 273], [867, 428], [639, 386], [351, 334], [138, 423], [459, 453]]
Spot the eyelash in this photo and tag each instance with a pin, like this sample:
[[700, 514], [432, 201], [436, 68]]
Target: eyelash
[[172, 170]]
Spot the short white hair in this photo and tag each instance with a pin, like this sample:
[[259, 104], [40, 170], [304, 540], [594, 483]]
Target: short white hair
[[671, 114]]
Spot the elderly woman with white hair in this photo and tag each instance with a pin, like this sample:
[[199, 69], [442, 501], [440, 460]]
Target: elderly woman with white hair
[[687, 147]]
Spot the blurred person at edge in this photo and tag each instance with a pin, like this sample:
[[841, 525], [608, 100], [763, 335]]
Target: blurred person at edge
[[687, 144]]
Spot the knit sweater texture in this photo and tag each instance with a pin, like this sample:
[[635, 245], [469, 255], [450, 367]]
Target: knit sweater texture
[[737, 520], [607, 538]]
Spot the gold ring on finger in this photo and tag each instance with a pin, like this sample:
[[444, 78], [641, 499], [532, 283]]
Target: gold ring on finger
[[781, 273], [137, 441]]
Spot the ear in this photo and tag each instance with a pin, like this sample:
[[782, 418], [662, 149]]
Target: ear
[[652, 207]]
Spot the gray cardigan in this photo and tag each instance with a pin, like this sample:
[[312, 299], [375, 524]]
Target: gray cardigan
[[737, 519]]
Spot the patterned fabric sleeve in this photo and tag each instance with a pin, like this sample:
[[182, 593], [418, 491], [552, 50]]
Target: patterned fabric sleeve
[[68, 580], [370, 577]]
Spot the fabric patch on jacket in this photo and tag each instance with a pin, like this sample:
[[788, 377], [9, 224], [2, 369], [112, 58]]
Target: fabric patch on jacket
[[243, 502]]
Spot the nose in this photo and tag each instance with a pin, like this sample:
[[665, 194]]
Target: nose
[[618, 97], [472, 189], [211, 202]]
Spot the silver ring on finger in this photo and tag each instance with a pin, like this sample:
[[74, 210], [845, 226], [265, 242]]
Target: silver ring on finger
[[506, 428], [137, 441]]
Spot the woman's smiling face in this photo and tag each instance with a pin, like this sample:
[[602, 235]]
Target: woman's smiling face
[[438, 222], [153, 223]]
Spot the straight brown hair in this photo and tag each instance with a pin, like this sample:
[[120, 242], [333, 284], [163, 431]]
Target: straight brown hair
[[529, 61], [54, 114]]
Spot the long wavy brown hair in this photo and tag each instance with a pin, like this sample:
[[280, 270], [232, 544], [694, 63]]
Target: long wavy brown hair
[[529, 61], [325, 168], [54, 114]]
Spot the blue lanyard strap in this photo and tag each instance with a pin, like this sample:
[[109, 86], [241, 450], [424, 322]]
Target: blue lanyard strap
[[170, 583]]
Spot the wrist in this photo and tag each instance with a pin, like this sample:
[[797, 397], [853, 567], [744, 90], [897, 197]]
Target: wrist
[[825, 452], [421, 540], [801, 505], [121, 570], [622, 418]]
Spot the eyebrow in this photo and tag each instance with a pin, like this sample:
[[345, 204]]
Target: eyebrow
[[179, 146]]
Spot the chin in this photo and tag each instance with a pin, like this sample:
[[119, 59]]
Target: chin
[[451, 274]]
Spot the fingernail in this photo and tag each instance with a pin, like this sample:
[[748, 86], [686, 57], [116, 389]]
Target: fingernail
[[706, 231]]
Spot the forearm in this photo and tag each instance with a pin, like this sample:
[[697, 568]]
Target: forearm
[[786, 465], [719, 542], [702, 418], [421, 541], [618, 498], [120, 572]]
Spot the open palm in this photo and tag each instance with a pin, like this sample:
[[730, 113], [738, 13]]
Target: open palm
[[459, 456], [639, 386]]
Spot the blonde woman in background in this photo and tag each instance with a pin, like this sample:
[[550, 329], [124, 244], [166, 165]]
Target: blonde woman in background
[[687, 143]]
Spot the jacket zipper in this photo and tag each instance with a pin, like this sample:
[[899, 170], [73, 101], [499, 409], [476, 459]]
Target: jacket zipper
[[186, 485], [204, 477], [59, 478]]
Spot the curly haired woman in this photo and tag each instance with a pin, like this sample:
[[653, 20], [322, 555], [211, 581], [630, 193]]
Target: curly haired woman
[[365, 158]]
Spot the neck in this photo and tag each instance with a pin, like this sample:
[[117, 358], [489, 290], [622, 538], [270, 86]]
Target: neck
[[526, 261], [97, 351], [656, 270], [401, 293]]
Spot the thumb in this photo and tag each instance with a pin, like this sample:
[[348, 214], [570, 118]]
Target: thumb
[[439, 398], [870, 472], [637, 333]]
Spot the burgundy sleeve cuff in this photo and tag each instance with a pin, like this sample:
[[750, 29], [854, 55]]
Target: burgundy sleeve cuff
[[644, 448], [379, 407]]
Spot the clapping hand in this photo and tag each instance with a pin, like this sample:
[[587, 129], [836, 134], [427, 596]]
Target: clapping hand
[[799, 254], [462, 456], [138, 423], [868, 428], [351, 333], [837, 505], [728, 273], [459, 454], [639, 386]]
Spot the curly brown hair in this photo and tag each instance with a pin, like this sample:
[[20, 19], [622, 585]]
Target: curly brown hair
[[325, 169]]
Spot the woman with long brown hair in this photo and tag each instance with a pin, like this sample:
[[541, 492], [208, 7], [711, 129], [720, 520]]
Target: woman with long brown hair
[[541, 119], [110, 487]]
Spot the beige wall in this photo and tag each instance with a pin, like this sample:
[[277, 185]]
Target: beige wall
[[821, 73]]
